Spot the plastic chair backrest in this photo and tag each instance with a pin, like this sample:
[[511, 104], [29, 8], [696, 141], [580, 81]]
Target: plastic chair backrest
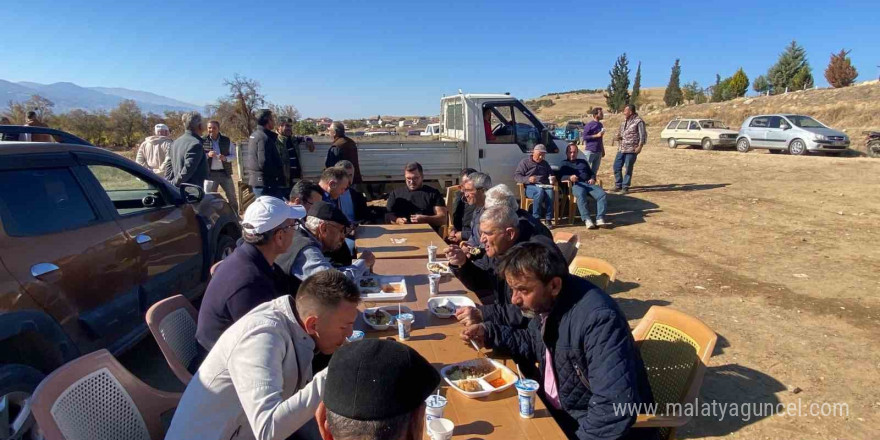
[[94, 397], [172, 322], [597, 271], [568, 243], [451, 195]]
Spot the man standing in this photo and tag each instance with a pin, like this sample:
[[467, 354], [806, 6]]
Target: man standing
[[186, 161], [534, 171], [283, 143], [264, 165], [291, 145], [594, 147], [583, 183], [152, 151], [416, 203], [588, 361], [343, 148], [632, 137], [384, 400], [257, 381], [220, 151]]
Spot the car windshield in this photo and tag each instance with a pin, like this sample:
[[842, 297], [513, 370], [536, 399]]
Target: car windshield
[[805, 122], [712, 124]]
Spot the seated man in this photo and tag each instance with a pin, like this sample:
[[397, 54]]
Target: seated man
[[589, 364], [583, 183], [248, 277], [305, 193], [503, 196], [416, 203], [534, 171], [474, 191], [464, 213], [323, 231], [333, 182], [351, 201], [487, 125], [257, 380], [384, 400], [500, 230]]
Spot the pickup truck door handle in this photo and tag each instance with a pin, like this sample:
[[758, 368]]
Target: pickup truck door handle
[[481, 153], [41, 269], [143, 239]]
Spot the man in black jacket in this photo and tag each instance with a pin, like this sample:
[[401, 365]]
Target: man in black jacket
[[264, 165], [591, 374], [186, 161]]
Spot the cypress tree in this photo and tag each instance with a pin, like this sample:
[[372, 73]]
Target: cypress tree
[[637, 86], [617, 93], [673, 96]]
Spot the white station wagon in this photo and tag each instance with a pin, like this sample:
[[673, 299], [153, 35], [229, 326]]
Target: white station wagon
[[707, 133]]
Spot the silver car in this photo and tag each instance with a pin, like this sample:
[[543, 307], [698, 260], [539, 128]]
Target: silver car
[[796, 134]]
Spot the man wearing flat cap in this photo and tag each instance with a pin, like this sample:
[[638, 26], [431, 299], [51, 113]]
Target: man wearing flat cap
[[323, 232], [384, 399], [535, 173]]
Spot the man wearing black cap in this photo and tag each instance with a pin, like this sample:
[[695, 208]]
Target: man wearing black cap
[[323, 231], [385, 399]]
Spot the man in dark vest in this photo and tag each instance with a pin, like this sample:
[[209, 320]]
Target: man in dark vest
[[264, 166], [343, 148], [220, 151], [289, 147], [324, 230]]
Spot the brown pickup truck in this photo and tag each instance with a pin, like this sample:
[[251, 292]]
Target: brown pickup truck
[[89, 240]]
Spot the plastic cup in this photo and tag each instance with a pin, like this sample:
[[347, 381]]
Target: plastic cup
[[432, 254], [435, 404], [208, 185], [440, 429], [356, 335], [434, 282], [526, 388], [404, 325]]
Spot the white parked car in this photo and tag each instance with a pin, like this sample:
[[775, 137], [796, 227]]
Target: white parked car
[[707, 133]]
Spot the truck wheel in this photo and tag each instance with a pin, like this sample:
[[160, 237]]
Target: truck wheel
[[707, 144], [797, 147], [742, 145], [17, 384], [671, 143], [225, 246]]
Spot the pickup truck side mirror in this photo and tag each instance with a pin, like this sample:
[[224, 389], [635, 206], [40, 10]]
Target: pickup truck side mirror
[[192, 193]]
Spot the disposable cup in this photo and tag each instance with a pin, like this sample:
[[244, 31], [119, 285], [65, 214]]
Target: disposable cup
[[208, 185], [440, 429], [432, 253], [526, 389], [434, 282], [435, 404], [404, 325]]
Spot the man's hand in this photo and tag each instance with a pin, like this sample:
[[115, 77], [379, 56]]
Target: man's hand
[[468, 315], [638, 149], [456, 256], [573, 178], [368, 258], [222, 158], [533, 179], [310, 144], [476, 333], [591, 182], [454, 237], [418, 218], [211, 154], [400, 220], [603, 153]]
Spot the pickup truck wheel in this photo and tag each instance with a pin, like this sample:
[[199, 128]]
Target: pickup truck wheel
[[671, 143], [742, 145], [707, 144], [797, 147], [17, 384], [225, 246]]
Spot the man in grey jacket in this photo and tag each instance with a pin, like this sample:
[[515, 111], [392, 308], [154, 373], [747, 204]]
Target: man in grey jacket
[[257, 380], [264, 165], [186, 161]]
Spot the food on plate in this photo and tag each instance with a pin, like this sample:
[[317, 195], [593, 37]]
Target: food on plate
[[391, 288], [469, 386], [369, 282], [476, 252], [438, 268], [445, 309], [498, 383], [462, 372], [378, 317]]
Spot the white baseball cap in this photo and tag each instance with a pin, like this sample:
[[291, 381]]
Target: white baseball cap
[[267, 213]]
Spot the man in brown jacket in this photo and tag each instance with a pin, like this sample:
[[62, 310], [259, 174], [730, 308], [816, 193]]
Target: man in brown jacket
[[343, 148], [632, 138]]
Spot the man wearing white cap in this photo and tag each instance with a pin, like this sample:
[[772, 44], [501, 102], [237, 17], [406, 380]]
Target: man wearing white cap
[[248, 277], [152, 151]]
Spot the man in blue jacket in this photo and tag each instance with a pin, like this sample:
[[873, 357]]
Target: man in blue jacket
[[589, 365]]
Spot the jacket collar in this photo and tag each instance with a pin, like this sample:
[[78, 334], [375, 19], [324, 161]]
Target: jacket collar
[[254, 255], [311, 236]]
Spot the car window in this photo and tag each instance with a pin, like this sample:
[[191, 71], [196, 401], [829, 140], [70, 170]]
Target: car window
[[775, 122], [683, 125], [672, 125], [759, 122], [501, 124], [42, 201], [527, 133], [805, 122], [694, 126], [128, 191]]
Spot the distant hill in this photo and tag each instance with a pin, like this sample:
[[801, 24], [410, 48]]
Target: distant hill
[[68, 96]]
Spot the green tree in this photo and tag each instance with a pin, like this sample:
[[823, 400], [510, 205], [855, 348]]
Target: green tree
[[673, 96], [127, 124], [92, 127], [792, 62], [689, 91], [617, 93], [802, 80], [739, 84], [637, 86], [717, 91], [700, 97], [840, 71], [761, 85], [174, 121], [305, 128]]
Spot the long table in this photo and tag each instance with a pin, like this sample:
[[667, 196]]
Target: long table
[[493, 417], [414, 240]]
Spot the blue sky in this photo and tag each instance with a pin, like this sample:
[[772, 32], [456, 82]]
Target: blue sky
[[353, 59]]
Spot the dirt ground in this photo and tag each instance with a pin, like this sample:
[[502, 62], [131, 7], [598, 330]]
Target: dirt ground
[[779, 255]]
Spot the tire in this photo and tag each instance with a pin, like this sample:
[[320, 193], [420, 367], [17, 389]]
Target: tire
[[671, 143], [17, 384], [225, 246], [742, 145], [874, 148], [797, 147], [707, 144]]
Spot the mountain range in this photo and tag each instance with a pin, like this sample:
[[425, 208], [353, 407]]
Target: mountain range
[[68, 96]]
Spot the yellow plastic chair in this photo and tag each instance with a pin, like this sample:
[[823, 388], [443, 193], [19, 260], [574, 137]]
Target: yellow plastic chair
[[525, 202], [451, 195], [595, 270], [675, 348]]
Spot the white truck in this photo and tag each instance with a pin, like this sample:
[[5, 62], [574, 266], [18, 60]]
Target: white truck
[[463, 144], [432, 130]]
